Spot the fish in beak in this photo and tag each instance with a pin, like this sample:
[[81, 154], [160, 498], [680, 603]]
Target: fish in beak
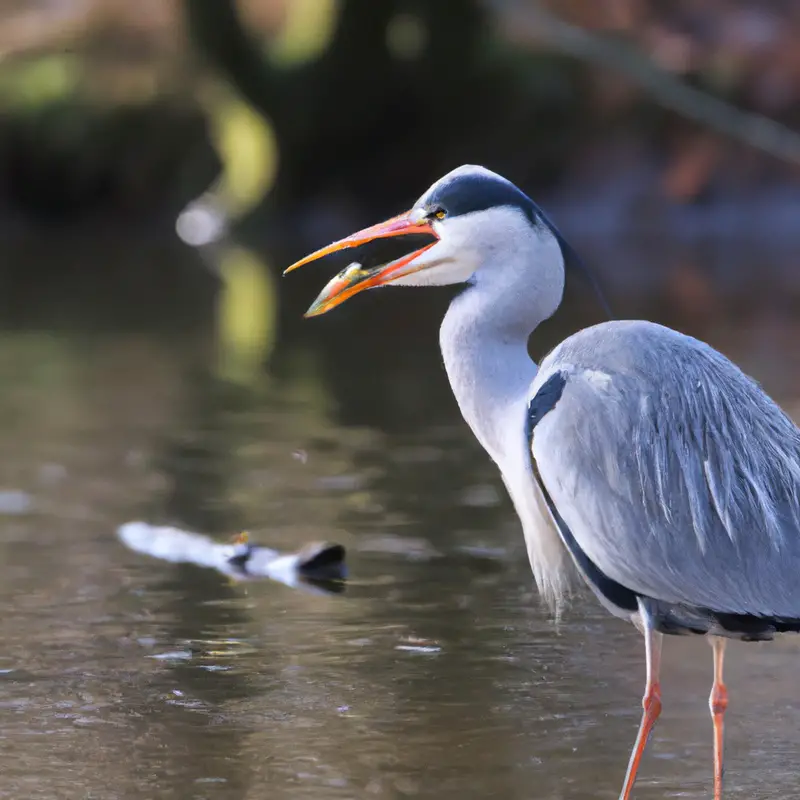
[[355, 278]]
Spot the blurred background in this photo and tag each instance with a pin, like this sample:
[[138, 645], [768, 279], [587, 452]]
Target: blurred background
[[161, 162]]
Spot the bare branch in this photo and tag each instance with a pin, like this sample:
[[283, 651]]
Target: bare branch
[[530, 22]]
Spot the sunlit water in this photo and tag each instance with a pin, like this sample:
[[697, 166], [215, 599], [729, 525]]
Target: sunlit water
[[436, 674]]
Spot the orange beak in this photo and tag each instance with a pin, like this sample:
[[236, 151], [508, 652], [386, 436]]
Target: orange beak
[[353, 280]]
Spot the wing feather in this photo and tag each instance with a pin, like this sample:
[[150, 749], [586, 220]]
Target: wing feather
[[678, 476]]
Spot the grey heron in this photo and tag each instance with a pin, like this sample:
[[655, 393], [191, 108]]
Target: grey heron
[[638, 458]]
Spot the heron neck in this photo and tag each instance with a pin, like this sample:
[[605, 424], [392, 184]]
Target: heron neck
[[485, 350]]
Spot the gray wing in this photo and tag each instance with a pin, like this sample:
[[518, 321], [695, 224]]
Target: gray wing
[[678, 477]]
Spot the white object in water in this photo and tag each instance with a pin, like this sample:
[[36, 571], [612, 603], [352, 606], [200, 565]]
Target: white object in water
[[240, 560]]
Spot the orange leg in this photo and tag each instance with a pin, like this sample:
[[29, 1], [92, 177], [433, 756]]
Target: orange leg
[[718, 702], [651, 703]]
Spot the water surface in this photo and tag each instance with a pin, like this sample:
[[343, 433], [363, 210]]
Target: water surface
[[437, 674]]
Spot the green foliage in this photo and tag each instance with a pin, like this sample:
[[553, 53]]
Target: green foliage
[[39, 82]]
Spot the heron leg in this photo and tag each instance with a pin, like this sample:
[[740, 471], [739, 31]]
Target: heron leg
[[718, 702], [651, 702]]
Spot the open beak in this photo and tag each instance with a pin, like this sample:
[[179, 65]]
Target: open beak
[[354, 279]]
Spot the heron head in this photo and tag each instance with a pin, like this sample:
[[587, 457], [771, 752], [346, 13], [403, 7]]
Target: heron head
[[469, 220]]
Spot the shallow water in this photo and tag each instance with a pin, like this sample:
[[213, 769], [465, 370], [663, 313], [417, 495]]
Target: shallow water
[[436, 674]]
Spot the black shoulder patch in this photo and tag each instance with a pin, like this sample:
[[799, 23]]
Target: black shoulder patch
[[544, 400]]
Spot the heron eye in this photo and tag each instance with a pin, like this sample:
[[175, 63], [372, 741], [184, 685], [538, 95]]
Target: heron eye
[[437, 213]]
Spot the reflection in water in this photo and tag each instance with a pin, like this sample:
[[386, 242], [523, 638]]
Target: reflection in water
[[247, 313], [435, 675]]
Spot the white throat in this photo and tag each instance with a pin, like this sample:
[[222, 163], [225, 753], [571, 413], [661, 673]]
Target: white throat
[[484, 335], [484, 341]]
